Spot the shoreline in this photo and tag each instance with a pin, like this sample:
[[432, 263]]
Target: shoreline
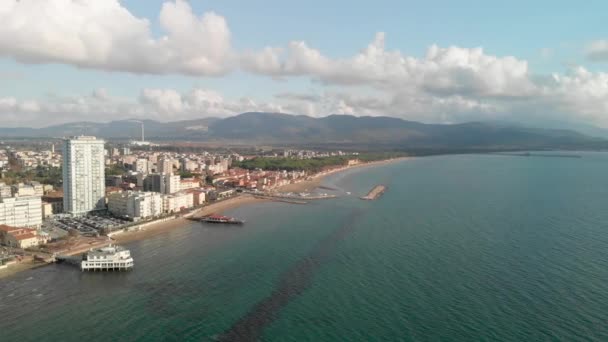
[[316, 180], [158, 228], [165, 226]]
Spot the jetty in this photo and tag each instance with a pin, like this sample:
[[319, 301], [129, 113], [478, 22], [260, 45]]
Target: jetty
[[374, 193], [281, 199]]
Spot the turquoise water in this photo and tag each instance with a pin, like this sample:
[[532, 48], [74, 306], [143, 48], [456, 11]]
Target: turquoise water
[[477, 248]]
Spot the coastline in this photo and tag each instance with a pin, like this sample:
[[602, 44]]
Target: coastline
[[316, 180], [158, 228], [161, 227], [236, 202]]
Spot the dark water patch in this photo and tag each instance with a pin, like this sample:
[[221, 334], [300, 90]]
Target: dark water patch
[[291, 284]]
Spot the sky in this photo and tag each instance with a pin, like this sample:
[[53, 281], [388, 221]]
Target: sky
[[537, 63]]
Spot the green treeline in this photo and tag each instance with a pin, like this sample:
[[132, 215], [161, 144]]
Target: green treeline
[[116, 170], [42, 174], [311, 165]]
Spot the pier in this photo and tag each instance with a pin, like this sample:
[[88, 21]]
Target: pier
[[375, 193], [281, 199]]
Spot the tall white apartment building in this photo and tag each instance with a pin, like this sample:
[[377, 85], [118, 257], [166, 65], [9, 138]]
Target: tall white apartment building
[[83, 175], [21, 211], [135, 204], [165, 166], [172, 184]]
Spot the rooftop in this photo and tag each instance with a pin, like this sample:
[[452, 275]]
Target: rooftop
[[8, 229]]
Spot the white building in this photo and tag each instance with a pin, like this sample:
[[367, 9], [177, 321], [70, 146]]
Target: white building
[[83, 175], [176, 202], [165, 166], [135, 205], [21, 211], [141, 165], [191, 183], [5, 191], [29, 189], [171, 184]]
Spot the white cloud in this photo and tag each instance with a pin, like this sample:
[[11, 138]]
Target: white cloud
[[102, 34], [598, 51], [451, 70], [447, 84]]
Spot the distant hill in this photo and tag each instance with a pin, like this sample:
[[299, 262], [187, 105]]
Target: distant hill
[[277, 128]]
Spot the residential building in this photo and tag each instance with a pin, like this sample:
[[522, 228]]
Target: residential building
[[198, 196], [55, 199], [172, 184], [189, 183], [163, 183], [165, 166], [21, 211], [29, 189], [47, 210], [5, 190], [20, 237], [135, 205], [176, 202], [141, 166], [83, 175]]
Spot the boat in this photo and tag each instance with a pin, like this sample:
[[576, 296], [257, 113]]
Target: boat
[[110, 258], [220, 219]]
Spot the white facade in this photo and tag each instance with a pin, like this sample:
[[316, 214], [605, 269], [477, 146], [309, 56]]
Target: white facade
[[5, 190], [21, 211], [136, 205], [186, 184], [30, 189], [83, 175], [141, 165], [171, 184], [165, 166], [177, 202], [107, 258]]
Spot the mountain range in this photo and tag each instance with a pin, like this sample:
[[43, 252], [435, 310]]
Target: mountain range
[[286, 129]]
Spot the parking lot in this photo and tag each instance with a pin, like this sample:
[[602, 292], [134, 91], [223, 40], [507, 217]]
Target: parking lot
[[90, 225]]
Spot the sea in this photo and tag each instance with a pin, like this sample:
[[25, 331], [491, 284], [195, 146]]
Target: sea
[[459, 248]]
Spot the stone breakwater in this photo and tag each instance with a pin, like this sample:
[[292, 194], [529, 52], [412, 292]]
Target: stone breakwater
[[375, 193]]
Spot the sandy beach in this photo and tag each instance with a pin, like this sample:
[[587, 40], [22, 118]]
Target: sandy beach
[[316, 180], [161, 227]]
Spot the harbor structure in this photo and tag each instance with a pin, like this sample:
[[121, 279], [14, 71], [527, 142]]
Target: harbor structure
[[83, 175], [375, 193], [110, 258]]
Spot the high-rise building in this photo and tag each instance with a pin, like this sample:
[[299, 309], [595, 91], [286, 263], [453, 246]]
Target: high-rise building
[[83, 175], [165, 166]]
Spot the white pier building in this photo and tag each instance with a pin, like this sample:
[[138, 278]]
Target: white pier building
[[111, 258]]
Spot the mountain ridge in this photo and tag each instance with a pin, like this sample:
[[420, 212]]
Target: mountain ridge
[[277, 128]]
